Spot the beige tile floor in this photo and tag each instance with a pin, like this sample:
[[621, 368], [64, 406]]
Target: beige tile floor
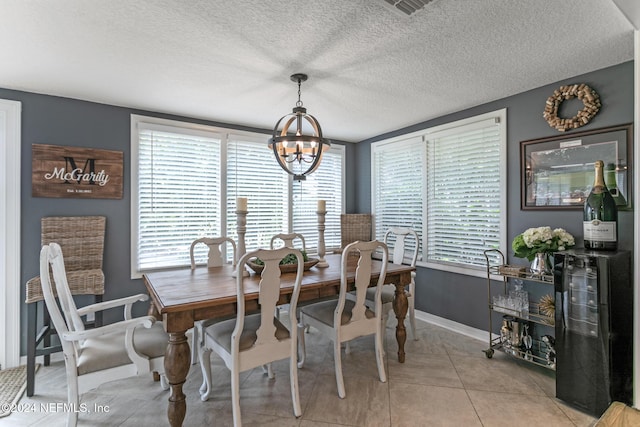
[[446, 381]]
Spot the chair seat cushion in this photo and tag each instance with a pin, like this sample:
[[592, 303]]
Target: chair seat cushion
[[109, 350], [221, 332], [388, 293], [323, 312]]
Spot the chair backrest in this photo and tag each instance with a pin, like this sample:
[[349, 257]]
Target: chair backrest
[[354, 227], [82, 241], [364, 268], [216, 257], [288, 239], [403, 235], [80, 237], [68, 319], [269, 289]]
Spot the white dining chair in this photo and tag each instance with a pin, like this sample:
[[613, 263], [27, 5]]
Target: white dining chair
[[82, 240], [287, 240], [252, 340], [345, 319], [406, 241], [95, 356], [216, 257]]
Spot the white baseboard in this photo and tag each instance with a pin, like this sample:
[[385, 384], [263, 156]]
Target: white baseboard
[[479, 334]]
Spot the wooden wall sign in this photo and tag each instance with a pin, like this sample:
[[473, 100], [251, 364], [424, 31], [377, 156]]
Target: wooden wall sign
[[84, 173]]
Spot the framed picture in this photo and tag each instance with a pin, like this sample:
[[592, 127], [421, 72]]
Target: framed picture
[[557, 172]]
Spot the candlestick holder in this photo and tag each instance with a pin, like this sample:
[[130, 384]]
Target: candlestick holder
[[322, 263], [242, 229]]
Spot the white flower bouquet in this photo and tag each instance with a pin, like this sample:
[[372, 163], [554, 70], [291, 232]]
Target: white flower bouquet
[[541, 240]]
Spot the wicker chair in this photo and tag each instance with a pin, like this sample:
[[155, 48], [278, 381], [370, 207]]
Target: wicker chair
[[82, 241], [354, 227]]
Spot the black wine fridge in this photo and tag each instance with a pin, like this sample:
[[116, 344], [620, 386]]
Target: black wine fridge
[[594, 328]]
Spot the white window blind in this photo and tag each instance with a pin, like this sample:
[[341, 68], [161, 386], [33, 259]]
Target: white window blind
[[324, 184], [178, 193], [186, 179], [398, 187], [252, 172], [464, 193], [448, 184]]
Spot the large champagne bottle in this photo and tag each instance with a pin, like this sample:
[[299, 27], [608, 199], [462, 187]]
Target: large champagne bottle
[[600, 216], [612, 185]]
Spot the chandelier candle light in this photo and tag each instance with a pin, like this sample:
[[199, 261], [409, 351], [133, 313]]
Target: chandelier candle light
[[322, 213], [295, 150]]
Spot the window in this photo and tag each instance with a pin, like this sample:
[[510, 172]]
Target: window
[[448, 184], [398, 187], [252, 171], [186, 179], [326, 183], [178, 193]]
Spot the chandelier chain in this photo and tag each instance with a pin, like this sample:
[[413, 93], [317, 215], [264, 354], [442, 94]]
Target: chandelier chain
[[299, 103]]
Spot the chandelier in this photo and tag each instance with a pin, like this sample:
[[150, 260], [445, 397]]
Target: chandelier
[[298, 152]]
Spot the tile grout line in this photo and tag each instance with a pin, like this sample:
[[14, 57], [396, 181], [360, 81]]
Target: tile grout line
[[464, 387]]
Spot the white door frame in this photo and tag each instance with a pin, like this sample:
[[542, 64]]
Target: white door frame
[[10, 142], [636, 215]]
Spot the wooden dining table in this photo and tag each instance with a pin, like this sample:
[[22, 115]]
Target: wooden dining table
[[183, 296]]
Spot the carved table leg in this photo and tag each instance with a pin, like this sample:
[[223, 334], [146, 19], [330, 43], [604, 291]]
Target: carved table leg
[[176, 367], [400, 307]]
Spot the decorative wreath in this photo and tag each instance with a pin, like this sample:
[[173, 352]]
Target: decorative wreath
[[589, 98]]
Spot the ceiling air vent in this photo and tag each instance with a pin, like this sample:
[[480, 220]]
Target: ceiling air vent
[[406, 7]]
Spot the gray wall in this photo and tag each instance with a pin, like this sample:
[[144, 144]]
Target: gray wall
[[69, 122], [61, 121], [463, 298]]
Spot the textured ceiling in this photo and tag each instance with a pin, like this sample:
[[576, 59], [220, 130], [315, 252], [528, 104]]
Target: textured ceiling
[[371, 70]]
